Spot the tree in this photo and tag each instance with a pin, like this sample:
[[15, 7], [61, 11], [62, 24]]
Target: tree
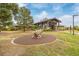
[[10, 6], [5, 17], [6, 12], [23, 18]]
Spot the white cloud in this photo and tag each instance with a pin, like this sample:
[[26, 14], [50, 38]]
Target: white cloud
[[68, 19], [22, 5], [39, 5], [40, 16], [77, 20], [57, 8], [76, 8]]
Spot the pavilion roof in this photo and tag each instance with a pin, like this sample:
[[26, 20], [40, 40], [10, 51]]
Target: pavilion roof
[[52, 19]]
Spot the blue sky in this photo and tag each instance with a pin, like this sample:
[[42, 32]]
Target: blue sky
[[62, 11]]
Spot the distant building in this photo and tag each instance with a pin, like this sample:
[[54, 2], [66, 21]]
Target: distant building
[[49, 23]]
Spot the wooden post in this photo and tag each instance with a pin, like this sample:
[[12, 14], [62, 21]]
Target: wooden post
[[58, 26], [70, 28]]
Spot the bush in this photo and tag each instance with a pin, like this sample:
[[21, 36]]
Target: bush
[[34, 27], [48, 29], [61, 28], [76, 28]]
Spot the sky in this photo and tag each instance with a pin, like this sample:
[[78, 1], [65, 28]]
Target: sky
[[61, 11]]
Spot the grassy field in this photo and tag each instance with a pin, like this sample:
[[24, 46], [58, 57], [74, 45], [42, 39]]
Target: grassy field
[[65, 45]]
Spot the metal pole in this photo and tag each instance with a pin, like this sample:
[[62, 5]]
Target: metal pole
[[73, 24]]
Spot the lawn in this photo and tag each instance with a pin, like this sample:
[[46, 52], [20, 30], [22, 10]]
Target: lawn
[[65, 45]]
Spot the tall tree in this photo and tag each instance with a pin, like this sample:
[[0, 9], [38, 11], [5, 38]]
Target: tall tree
[[6, 12], [10, 6], [23, 18], [5, 17]]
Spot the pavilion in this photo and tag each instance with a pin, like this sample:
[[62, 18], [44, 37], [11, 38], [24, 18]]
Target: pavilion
[[52, 23]]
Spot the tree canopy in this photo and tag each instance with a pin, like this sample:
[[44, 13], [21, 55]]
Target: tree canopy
[[21, 15], [6, 11], [23, 18]]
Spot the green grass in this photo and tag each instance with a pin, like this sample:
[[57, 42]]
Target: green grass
[[71, 41], [65, 45]]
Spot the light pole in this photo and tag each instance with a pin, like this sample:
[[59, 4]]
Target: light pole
[[73, 22]]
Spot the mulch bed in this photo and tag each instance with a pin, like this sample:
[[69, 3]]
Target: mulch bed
[[28, 40]]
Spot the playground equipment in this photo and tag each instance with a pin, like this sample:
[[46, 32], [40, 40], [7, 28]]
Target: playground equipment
[[37, 34]]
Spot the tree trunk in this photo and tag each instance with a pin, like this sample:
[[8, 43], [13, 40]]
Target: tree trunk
[[24, 28], [0, 30]]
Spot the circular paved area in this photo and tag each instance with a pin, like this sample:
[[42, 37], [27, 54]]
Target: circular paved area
[[28, 40]]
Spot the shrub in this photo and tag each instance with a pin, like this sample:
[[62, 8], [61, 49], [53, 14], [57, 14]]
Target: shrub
[[48, 29]]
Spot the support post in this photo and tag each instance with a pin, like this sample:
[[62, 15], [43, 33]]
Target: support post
[[73, 24]]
